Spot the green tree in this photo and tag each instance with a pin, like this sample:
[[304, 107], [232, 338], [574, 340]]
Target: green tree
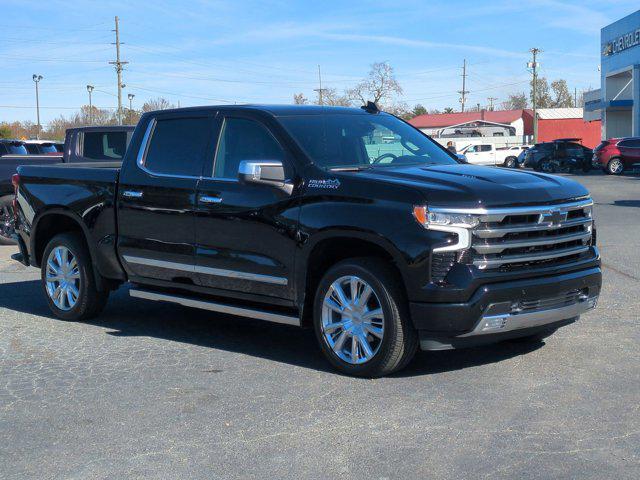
[[419, 110], [5, 131]]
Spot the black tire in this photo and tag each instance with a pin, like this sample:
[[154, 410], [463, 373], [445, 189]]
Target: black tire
[[6, 220], [90, 300], [535, 338], [511, 162], [400, 339], [615, 166]]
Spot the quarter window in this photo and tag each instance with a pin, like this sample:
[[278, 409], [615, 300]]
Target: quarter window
[[243, 139], [104, 145], [178, 146]]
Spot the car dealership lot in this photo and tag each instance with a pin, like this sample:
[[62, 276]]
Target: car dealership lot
[[151, 390]]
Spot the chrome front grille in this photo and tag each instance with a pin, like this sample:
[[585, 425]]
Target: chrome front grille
[[526, 236]]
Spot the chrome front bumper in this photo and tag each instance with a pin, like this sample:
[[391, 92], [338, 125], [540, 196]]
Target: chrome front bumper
[[513, 317]]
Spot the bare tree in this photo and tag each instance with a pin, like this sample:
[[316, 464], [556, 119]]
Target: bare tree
[[515, 101], [379, 87], [157, 104], [561, 96], [300, 99], [331, 97]]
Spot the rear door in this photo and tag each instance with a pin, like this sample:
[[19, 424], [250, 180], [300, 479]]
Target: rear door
[[245, 233], [630, 151], [156, 197]]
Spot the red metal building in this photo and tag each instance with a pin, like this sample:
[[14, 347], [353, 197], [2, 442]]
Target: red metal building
[[554, 123]]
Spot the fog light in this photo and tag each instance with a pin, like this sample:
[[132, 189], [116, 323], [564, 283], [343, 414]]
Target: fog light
[[494, 323]]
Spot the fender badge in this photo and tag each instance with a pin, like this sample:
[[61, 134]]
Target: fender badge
[[333, 184]]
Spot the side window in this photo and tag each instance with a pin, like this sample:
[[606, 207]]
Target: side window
[[104, 145], [634, 143], [485, 148], [243, 139], [178, 146], [471, 149]]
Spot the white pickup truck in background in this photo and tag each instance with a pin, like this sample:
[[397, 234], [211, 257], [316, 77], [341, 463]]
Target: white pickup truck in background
[[488, 154]]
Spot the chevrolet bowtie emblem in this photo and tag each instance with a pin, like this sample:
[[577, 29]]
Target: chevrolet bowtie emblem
[[553, 217]]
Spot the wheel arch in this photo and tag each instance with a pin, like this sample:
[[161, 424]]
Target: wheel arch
[[53, 222], [332, 247]]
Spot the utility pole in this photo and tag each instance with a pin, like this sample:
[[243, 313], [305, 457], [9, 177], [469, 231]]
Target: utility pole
[[491, 100], [36, 79], [130, 96], [118, 66], [320, 90], [463, 92], [533, 65], [575, 97], [90, 89]]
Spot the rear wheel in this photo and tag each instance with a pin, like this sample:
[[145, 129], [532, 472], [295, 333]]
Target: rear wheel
[[361, 319], [615, 166], [68, 279], [511, 162], [6, 220]]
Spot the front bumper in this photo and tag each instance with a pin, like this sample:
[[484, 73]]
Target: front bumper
[[505, 310]]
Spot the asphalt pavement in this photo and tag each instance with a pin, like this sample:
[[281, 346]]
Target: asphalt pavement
[[151, 390]]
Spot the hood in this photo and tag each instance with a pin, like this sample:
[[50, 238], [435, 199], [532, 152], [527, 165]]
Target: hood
[[472, 186]]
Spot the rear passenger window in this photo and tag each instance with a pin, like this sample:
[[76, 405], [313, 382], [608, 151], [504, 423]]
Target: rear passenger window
[[243, 139], [104, 145], [178, 146]]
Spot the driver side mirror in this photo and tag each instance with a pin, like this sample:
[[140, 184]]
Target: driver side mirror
[[264, 172]]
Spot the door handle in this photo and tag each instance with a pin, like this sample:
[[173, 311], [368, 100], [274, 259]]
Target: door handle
[[132, 194], [209, 199]]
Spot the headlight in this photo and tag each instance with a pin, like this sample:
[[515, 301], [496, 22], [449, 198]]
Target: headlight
[[429, 219], [459, 223]]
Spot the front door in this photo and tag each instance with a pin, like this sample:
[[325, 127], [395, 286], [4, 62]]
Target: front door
[[245, 233], [156, 198]]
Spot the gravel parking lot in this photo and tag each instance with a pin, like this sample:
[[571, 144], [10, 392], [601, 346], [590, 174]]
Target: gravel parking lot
[[151, 390]]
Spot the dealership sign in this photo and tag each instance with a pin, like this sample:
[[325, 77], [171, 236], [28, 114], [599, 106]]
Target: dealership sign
[[624, 42]]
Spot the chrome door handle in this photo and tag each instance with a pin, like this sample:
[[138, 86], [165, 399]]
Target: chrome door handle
[[210, 199], [132, 194]]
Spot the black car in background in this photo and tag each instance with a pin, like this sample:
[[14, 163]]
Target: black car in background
[[563, 154], [43, 147], [12, 147]]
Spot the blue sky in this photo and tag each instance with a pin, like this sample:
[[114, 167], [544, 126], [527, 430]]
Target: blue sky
[[214, 51]]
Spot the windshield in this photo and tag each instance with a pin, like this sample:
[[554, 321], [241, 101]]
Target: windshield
[[335, 141]]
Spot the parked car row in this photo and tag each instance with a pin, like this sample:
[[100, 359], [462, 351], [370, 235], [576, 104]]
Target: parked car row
[[29, 147]]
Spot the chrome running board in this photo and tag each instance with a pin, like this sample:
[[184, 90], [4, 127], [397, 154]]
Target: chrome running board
[[216, 307]]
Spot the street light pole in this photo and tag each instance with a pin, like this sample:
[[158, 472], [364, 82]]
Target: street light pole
[[130, 96], [90, 89], [36, 79]]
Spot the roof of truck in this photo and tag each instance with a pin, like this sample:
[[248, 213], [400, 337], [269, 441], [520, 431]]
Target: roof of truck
[[276, 110]]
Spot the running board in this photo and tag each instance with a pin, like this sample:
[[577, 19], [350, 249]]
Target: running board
[[217, 307]]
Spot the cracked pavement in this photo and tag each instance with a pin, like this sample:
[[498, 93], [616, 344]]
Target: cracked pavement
[[151, 390]]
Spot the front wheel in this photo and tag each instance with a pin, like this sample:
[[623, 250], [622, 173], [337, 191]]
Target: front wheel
[[6, 220], [361, 319], [68, 279]]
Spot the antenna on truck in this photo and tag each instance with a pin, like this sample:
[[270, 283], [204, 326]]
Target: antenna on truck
[[370, 107]]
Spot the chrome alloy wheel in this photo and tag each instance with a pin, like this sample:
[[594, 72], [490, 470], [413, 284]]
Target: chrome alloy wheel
[[6, 221], [616, 166], [63, 278], [352, 320]]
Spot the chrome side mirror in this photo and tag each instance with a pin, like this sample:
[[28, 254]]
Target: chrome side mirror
[[264, 172]]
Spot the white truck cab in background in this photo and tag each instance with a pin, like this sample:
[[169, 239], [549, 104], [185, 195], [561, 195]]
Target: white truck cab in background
[[488, 154]]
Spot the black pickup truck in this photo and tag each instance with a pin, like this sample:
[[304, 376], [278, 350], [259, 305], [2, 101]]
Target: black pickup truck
[[310, 216], [82, 144]]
